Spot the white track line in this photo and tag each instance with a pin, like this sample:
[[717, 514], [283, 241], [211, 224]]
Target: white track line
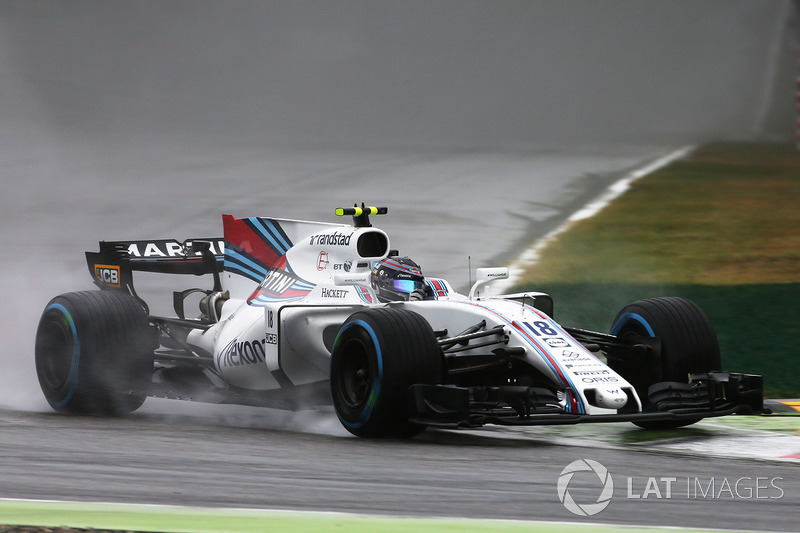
[[530, 257]]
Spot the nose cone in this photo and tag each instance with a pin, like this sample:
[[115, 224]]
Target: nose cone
[[611, 398]]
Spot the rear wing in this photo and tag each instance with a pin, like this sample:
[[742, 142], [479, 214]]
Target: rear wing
[[112, 267]]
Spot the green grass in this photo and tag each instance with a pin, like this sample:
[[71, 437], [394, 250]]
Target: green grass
[[173, 519], [756, 324], [722, 228], [727, 215]]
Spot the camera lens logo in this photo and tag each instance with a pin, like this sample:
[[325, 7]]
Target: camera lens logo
[[585, 509]]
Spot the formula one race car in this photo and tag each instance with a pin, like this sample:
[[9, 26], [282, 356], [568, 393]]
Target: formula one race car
[[307, 312]]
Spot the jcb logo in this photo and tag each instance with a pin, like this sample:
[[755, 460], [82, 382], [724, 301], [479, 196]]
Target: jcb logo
[[107, 275]]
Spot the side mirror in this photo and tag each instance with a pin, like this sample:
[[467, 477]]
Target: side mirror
[[484, 276]]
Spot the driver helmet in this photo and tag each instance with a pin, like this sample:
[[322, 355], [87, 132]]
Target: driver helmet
[[395, 278]]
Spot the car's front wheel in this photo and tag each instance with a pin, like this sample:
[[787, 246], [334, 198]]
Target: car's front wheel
[[377, 355], [688, 345]]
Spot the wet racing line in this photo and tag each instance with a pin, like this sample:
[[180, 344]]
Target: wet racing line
[[209, 458], [773, 437]]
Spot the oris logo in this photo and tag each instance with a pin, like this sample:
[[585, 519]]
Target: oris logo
[[107, 275]]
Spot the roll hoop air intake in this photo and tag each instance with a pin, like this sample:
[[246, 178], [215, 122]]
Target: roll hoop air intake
[[361, 214]]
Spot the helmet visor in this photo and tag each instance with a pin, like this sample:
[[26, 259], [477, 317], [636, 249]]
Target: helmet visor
[[408, 285]]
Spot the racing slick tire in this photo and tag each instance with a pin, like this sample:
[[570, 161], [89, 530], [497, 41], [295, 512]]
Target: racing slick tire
[[377, 355], [94, 353], [688, 344]]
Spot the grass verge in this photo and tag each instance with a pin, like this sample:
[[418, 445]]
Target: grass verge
[[164, 519], [722, 228]]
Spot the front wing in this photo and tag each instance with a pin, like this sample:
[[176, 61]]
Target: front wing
[[705, 395]]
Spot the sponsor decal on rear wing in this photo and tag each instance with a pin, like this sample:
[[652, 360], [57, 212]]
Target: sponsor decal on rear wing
[[113, 265], [171, 249]]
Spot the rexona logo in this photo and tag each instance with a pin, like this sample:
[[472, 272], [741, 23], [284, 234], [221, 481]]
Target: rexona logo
[[331, 239], [107, 275], [246, 352], [589, 469]]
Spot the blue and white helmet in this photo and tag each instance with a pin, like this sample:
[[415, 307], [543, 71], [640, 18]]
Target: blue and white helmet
[[395, 278]]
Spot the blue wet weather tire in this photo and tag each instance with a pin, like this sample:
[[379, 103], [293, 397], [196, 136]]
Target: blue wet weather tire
[[688, 345], [377, 355], [94, 353]]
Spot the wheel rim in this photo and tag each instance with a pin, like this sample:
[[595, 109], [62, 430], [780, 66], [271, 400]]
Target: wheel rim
[[355, 381], [56, 347]]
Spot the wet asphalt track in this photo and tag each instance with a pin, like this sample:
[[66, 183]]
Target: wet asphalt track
[[119, 122], [242, 458]]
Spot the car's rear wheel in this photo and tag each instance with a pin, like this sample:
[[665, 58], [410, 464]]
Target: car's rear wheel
[[688, 345], [94, 353], [378, 354]]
